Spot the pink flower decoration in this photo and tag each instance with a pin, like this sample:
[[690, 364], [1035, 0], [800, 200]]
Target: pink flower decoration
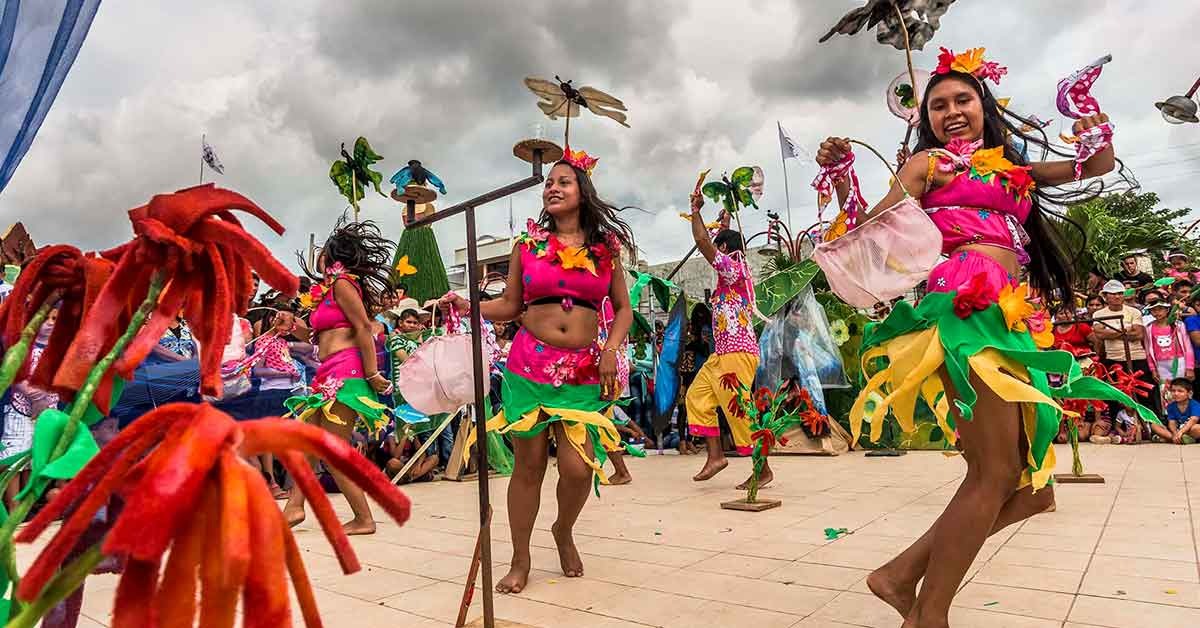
[[991, 70], [335, 271], [535, 230], [328, 387]]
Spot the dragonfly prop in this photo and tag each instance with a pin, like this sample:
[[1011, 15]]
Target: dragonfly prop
[[351, 173], [414, 172], [1075, 101], [562, 99], [743, 188]]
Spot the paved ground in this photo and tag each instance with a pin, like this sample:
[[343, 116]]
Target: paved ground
[[660, 552]]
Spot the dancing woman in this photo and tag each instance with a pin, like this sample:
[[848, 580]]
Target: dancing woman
[[561, 376], [967, 345], [352, 276]]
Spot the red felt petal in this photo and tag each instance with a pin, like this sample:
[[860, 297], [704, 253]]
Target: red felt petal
[[306, 481]]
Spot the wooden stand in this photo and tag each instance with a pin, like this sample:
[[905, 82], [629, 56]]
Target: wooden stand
[[1071, 478], [500, 623], [755, 506]]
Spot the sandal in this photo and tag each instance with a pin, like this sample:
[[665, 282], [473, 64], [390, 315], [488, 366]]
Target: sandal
[[277, 491]]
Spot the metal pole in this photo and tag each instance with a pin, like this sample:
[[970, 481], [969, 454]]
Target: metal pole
[[1195, 86], [203, 137], [480, 421], [787, 195]]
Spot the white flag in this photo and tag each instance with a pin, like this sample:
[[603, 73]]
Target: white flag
[[210, 157], [787, 145]]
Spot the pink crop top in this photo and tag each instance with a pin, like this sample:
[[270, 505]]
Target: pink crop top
[[328, 314], [985, 203], [551, 271]]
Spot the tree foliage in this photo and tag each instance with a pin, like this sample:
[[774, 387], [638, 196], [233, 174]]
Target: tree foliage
[[1115, 224]]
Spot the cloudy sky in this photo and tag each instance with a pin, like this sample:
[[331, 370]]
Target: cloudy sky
[[277, 86]]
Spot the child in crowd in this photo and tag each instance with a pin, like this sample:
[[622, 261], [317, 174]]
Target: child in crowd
[[25, 404], [1168, 348], [1183, 415]]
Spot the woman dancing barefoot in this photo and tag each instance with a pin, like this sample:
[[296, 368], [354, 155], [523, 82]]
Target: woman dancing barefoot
[[353, 272], [967, 345], [561, 377]]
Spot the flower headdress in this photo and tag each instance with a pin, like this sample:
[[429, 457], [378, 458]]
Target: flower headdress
[[580, 159], [970, 62]]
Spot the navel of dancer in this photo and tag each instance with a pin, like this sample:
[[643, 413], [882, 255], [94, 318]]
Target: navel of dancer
[[562, 374], [352, 275], [736, 348], [967, 345]]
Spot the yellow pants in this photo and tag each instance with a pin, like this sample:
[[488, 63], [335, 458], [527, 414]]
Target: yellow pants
[[707, 393]]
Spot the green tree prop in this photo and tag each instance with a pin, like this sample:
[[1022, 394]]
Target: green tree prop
[[421, 247], [352, 173]]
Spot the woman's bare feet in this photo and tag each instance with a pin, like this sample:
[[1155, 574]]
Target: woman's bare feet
[[710, 469], [293, 516], [516, 579], [899, 595], [764, 479], [617, 479], [568, 555], [354, 526]]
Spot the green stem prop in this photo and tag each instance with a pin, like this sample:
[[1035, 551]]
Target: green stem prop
[[1076, 462], [16, 354], [80, 405], [63, 584]]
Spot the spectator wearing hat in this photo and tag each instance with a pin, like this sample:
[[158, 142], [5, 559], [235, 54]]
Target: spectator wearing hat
[[1130, 273], [1122, 330]]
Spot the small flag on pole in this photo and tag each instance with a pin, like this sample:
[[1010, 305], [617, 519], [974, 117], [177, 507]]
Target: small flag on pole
[[787, 145], [210, 157]]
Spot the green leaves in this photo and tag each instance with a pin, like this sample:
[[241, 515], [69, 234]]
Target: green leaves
[[1115, 224], [776, 290], [46, 432], [734, 191], [351, 174]]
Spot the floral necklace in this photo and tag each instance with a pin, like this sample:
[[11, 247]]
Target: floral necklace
[[319, 290], [987, 165], [539, 241]]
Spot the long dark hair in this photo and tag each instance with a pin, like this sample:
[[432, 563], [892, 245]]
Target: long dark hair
[[1050, 268], [597, 217], [363, 250]]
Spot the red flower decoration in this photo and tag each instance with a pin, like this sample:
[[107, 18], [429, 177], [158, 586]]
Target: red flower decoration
[[734, 407], [1129, 383], [763, 399], [1018, 182], [193, 493], [206, 256], [816, 424], [945, 59], [730, 381], [77, 278], [974, 295]]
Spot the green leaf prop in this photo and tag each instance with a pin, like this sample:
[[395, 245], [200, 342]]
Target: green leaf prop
[[776, 290], [352, 173], [46, 432]]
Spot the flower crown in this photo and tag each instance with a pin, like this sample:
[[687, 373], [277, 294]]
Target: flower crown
[[580, 159], [970, 62]]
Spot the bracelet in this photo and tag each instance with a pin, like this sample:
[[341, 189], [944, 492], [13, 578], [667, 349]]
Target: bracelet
[[608, 350]]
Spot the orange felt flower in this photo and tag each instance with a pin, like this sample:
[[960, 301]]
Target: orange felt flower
[[988, 160], [968, 61], [1013, 302], [571, 258]]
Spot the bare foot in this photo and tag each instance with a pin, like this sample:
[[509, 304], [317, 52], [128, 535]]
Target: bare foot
[[710, 469], [619, 478], [354, 526], [568, 556], [763, 480], [515, 581], [900, 596], [293, 516]]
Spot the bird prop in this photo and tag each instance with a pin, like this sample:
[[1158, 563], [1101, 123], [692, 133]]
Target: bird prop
[[922, 18], [562, 99], [414, 172], [744, 187], [353, 172]]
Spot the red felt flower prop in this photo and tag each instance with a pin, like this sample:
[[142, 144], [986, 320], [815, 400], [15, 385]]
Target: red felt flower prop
[[767, 437], [763, 399], [205, 256], [1128, 383], [193, 494], [974, 295], [1018, 182], [815, 424], [734, 407], [730, 381], [74, 279]]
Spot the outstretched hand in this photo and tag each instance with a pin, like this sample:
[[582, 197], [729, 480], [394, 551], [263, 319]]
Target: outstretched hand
[[833, 150], [1088, 122]]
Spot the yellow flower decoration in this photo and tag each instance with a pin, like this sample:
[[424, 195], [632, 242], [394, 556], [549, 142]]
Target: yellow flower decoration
[[306, 301], [576, 258], [404, 268], [1016, 308], [1044, 339], [989, 160], [968, 61]]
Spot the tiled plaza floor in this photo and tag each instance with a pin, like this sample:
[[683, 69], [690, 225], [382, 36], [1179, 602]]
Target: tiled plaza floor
[[660, 552]]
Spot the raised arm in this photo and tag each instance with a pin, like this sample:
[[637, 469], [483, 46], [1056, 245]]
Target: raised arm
[[508, 306], [913, 173], [1052, 173]]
